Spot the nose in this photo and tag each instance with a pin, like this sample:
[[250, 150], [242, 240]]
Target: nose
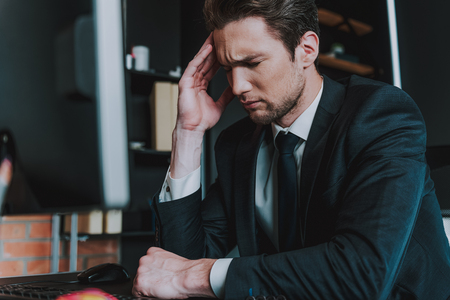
[[239, 81]]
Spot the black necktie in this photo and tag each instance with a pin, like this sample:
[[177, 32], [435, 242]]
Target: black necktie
[[288, 223]]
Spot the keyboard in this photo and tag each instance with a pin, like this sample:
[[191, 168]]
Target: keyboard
[[28, 291]]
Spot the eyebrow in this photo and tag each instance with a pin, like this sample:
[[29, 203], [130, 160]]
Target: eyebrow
[[246, 59]]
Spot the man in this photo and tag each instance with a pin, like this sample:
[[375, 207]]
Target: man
[[5, 179], [364, 222]]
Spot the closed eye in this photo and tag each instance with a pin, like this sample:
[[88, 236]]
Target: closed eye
[[249, 65], [252, 64]]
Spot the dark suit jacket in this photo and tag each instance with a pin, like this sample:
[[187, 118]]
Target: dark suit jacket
[[371, 223]]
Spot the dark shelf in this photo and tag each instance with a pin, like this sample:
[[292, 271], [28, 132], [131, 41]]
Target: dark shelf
[[151, 152], [86, 236], [131, 234], [154, 73], [347, 66], [361, 29], [142, 82], [150, 157], [138, 234], [333, 19]]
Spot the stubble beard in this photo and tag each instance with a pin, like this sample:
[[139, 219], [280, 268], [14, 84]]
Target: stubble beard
[[276, 110]]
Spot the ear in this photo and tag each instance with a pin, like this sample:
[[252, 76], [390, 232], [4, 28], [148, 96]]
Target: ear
[[308, 49]]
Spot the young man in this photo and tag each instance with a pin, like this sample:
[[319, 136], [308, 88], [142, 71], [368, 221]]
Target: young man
[[349, 212]]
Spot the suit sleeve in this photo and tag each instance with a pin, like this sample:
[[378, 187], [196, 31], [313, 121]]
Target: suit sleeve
[[382, 191], [191, 227]]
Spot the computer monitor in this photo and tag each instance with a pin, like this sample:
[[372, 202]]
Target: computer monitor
[[62, 105]]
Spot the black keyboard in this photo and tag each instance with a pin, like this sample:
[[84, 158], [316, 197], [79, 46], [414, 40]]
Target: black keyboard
[[28, 291]]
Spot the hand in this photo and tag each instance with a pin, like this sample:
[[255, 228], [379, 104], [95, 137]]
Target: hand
[[196, 109], [165, 275], [6, 171]]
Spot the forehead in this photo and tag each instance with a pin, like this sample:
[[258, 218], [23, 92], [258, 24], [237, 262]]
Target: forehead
[[245, 37]]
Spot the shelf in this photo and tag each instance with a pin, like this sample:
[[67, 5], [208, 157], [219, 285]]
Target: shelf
[[154, 74], [82, 237], [347, 66], [138, 234], [142, 82], [332, 19], [151, 151], [151, 157]]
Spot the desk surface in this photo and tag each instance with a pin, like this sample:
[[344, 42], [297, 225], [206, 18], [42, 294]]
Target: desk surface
[[121, 288], [50, 280]]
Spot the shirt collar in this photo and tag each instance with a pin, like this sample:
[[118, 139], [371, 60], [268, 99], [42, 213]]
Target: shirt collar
[[302, 125]]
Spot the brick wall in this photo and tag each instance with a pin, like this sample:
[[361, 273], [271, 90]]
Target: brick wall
[[25, 247]]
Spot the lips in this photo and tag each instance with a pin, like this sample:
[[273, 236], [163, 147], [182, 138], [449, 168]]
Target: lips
[[250, 104]]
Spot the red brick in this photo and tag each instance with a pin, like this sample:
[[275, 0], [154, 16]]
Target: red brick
[[64, 264], [38, 266], [26, 249], [98, 246], [40, 230], [11, 268], [93, 261], [27, 218], [12, 231]]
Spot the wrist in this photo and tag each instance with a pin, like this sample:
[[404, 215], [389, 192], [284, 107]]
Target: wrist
[[197, 282], [186, 151], [188, 134]]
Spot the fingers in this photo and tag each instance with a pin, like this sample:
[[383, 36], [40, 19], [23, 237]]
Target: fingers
[[6, 170], [208, 41], [208, 63], [194, 65], [225, 99], [156, 273], [203, 61], [139, 286], [212, 71], [134, 291]]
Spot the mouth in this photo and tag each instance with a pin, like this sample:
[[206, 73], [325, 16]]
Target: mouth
[[250, 104]]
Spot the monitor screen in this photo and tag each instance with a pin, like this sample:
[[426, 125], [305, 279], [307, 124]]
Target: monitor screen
[[62, 105]]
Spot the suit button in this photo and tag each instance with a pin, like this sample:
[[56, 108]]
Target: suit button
[[281, 297], [250, 298], [260, 297], [271, 298]]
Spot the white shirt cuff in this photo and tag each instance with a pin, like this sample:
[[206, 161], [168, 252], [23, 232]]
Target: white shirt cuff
[[174, 189], [218, 276]]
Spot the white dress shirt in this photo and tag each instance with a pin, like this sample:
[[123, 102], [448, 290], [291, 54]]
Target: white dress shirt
[[266, 197]]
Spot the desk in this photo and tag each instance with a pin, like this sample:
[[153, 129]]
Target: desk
[[114, 288]]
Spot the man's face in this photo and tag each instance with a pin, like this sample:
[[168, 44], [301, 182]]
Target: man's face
[[259, 70]]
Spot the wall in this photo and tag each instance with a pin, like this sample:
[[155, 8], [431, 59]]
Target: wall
[[25, 247]]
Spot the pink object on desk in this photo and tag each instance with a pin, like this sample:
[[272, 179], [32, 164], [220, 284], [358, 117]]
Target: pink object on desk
[[87, 294]]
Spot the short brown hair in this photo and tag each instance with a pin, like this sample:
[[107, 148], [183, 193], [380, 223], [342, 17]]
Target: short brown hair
[[288, 19]]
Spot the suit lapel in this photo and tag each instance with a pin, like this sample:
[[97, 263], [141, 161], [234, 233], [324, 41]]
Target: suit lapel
[[330, 103], [245, 172]]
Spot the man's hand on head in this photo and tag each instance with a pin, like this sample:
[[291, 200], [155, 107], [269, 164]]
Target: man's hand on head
[[197, 111], [6, 171], [165, 275]]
